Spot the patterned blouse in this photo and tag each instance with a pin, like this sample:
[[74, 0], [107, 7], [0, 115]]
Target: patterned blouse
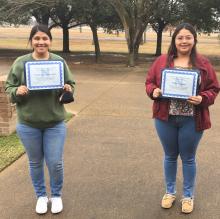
[[181, 107]]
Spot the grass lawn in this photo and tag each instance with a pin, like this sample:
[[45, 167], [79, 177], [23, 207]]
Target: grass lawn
[[68, 116], [17, 38], [10, 150]]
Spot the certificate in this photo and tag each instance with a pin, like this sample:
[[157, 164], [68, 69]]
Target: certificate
[[42, 75], [179, 83]]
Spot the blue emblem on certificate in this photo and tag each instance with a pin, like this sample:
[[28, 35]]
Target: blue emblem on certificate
[[41, 75], [179, 83]]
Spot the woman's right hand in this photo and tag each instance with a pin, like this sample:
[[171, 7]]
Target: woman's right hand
[[157, 93], [22, 90]]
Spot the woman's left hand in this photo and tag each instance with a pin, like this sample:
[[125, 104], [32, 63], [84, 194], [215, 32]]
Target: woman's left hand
[[195, 100], [67, 87]]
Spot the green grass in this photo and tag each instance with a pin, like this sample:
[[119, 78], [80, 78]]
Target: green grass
[[10, 150], [68, 116]]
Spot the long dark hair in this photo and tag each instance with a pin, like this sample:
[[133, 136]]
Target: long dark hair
[[42, 28], [172, 51]]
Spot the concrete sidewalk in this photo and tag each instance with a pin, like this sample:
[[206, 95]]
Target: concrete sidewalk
[[113, 158]]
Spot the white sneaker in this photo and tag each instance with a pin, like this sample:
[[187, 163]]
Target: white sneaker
[[41, 206], [56, 205]]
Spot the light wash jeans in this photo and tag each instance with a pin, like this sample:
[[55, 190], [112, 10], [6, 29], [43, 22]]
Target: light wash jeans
[[45, 144], [179, 137]]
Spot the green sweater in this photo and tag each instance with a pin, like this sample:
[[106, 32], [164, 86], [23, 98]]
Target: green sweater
[[39, 108]]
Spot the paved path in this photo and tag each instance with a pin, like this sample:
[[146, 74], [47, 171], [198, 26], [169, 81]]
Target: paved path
[[113, 159]]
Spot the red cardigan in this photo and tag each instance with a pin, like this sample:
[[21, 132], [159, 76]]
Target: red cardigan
[[208, 89]]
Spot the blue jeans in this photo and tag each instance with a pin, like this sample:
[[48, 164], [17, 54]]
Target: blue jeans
[[45, 144], [178, 136]]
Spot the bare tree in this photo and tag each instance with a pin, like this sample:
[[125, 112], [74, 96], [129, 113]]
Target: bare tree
[[134, 15]]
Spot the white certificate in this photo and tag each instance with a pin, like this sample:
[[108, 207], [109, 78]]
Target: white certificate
[[42, 75], [179, 83]]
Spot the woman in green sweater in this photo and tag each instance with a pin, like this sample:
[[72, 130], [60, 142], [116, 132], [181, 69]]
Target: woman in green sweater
[[41, 126]]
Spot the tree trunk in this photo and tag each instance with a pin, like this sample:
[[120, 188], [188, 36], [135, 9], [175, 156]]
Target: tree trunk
[[159, 30], [133, 46], [131, 59], [129, 34], [136, 50], [159, 42], [133, 49], [96, 42], [45, 19], [65, 39]]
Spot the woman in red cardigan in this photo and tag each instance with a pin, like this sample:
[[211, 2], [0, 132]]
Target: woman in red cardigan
[[180, 122]]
